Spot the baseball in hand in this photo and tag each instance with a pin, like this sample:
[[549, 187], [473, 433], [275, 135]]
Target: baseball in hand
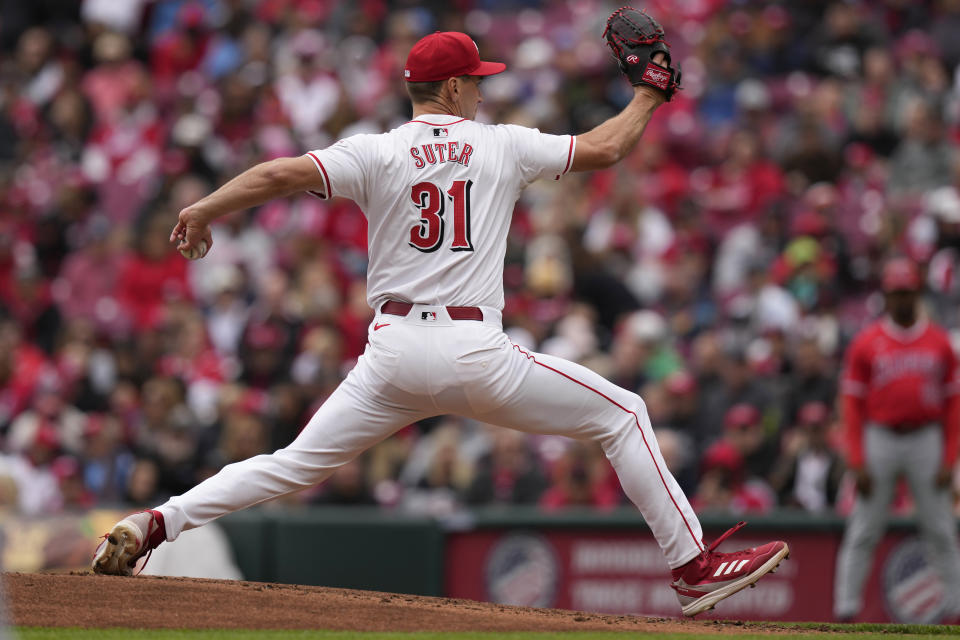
[[195, 253]]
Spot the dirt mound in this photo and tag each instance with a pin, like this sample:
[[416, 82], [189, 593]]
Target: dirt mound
[[88, 600]]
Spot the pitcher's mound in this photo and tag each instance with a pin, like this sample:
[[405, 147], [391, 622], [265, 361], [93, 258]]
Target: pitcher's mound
[[92, 601]]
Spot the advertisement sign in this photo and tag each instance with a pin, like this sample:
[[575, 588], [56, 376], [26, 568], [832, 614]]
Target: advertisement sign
[[55, 543], [621, 572]]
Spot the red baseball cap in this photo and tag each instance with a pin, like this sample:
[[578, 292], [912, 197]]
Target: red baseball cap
[[723, 455], [900, 274], [813, 413], [680, 382], [741, 415], [447, 54]]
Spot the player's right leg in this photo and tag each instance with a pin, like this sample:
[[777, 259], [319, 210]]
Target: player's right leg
[[543, 394], [866, 523], [934, 509], [363, 410]]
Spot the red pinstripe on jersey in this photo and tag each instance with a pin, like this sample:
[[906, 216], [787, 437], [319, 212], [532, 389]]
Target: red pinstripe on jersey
[[323, 172], [642, 434]]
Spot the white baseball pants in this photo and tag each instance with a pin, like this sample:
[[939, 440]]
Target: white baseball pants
[[425, 364], [916, 455]]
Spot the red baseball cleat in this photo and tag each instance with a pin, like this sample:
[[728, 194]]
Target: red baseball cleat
[[126, 543], [713, 576]]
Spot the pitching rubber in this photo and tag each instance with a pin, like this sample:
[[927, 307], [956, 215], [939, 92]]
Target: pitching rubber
[[709, 600]]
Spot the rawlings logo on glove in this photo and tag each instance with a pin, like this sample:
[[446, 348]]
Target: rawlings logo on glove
[[653, 75], [634, 38]]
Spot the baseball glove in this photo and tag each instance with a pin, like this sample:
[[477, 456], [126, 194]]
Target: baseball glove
[[634, 37]]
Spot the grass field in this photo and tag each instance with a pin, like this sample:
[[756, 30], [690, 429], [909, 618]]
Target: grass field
[[800, 631]]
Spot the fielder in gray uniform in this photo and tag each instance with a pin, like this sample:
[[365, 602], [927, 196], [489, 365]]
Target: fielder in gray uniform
[[901, 402]]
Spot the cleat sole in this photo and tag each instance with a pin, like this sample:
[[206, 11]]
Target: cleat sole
[[709, 600]]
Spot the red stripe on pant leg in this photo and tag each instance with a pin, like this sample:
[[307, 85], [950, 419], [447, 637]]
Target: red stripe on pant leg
[[639, 428]]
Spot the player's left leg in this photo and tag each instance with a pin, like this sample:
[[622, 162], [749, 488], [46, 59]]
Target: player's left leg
[[363, 410], [934, 506], [537, 393], [351, 421]]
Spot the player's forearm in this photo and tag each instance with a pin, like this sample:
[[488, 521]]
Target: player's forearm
[[625, 129], [253, 187], [611, 141]]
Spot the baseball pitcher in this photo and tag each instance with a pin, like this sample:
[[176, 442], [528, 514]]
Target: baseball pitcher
[[438, 193]]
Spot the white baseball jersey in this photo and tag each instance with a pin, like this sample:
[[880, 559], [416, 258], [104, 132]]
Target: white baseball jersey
[[438, 193]]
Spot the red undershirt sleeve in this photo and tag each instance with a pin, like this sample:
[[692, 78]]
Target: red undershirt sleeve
[[853, 389], [951, 427], [853, 430], [951, 412]]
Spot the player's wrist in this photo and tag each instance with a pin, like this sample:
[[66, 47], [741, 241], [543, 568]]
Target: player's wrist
[[649, 94], [195, 214]]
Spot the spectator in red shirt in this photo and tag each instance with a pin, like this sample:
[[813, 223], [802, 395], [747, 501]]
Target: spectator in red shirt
[[724, 485], [30, 303], [808, 472], [901, 402], [183, 49], [157, 274], [744, 430], [509, 474], [740, 189], [22, 365], [582, 477], [88, 278], [111, 83]]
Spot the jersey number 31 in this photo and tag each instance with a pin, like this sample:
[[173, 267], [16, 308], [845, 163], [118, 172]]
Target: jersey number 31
[[427, 235]]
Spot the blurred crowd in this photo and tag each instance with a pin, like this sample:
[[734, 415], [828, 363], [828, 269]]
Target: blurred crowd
[[720, 271]]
